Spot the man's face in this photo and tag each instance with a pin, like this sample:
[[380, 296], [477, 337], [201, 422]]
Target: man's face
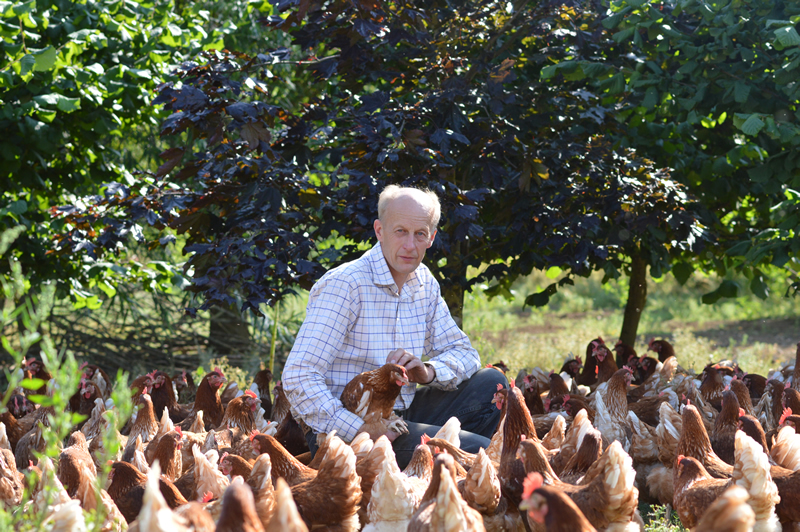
[[405, 235]]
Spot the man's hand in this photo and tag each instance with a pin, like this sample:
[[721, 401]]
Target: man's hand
[[417, 371]]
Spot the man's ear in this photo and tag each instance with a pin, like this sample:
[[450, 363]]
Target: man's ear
[[433, 237], [379, 230]]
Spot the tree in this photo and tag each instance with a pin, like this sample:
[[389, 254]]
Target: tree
[[76, 79], [709, 90], [448, 97]]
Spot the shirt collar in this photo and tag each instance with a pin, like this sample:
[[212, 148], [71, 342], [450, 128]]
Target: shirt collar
[[381, 276]]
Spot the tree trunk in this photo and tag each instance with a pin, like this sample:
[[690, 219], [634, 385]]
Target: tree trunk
[[637, 297], [228, 332], [452, 291], [453, 295]]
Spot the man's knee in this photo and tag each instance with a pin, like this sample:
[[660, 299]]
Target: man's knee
[[488, 379]]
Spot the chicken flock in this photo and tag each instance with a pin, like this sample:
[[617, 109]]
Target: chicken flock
[[575, 450]]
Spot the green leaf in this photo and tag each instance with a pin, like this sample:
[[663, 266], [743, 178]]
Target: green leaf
[[109, 290], [44, 59], [760, 174], [93, 303], [787, 36], [752, 125], [650, 98], [26, 65], [617, 84], [741, 92], [682, 272], [19, 9], [739, 249], [96, 68], [18, 207], [549, 71], [43, 400], [32, 384], [624, 35], [553, 272], [759, 287], [614, 20], [728, 289], [541, 299], [63, 103]]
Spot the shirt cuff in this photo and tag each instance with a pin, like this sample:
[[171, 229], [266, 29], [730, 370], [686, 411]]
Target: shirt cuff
[[445, 379], [346, 424]]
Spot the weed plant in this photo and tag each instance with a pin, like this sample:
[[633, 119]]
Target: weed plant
[[59, 422]]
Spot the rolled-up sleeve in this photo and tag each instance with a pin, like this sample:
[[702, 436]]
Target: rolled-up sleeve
[[449, 350], [331, 312]]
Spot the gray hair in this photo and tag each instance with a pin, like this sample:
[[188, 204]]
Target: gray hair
[[392, 192]]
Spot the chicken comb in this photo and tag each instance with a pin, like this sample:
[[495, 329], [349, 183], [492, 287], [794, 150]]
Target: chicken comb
[[179, 430], [254, 434], [531, 483], [579, 360], [83, 365], [217, 370], [424, 439], [566, 398], [679, 458], [522, 437], [221, 458], [251, 393], [207, 497], [499, 386], [488, 366], [742, 412], [628, 368], [786, 413], [602, 342]]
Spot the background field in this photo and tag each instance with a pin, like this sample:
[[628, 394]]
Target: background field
[[759, 334]]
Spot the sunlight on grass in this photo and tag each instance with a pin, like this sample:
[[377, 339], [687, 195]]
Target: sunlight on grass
[[527, 337]]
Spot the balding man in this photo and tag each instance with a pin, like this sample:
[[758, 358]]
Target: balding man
[[386, 307]]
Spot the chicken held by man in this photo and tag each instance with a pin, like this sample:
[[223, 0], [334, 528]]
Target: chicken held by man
[[375, 392]]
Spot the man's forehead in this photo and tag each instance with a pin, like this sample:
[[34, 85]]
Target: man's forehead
[[409, 210]]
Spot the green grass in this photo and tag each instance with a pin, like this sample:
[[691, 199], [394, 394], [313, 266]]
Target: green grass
[[655, 519], [758, 334]]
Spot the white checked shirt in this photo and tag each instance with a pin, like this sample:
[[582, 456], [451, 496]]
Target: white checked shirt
[[354, 318]]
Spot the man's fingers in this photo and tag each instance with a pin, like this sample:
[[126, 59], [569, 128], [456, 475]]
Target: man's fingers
[[394, 356]]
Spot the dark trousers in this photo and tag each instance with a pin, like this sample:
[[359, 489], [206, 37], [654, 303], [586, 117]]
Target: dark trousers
[[471, 403]]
